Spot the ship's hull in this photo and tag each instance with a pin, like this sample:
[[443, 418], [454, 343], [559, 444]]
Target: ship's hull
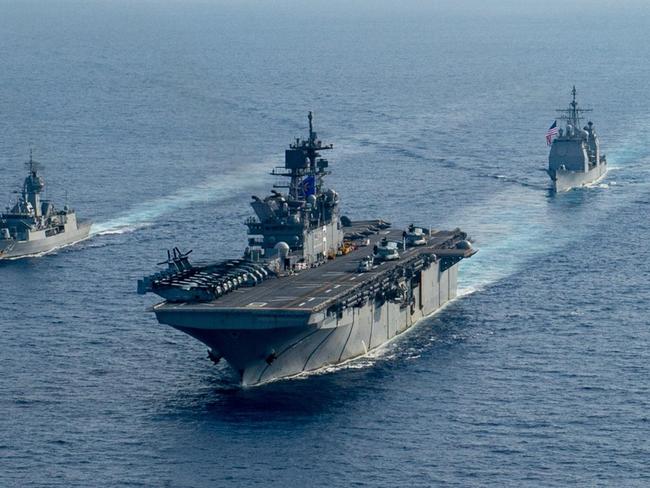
[[264, 345], [564, 180], [11, 249]]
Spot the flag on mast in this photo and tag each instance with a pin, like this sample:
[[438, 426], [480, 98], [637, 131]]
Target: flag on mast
[[309, 185], [551, 133]]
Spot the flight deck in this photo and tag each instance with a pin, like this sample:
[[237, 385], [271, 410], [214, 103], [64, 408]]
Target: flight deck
[[314, 289]]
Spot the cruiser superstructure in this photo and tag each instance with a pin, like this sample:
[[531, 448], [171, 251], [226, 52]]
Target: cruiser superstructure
[[33, 225], [575, 159], [307, 291]]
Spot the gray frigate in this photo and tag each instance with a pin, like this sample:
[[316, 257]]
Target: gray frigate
[[33, 225], [312, 288], [575, 159]]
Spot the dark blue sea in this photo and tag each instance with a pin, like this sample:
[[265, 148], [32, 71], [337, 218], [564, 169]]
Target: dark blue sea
[[160, 119]]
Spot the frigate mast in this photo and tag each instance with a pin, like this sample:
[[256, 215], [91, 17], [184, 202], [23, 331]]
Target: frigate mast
[[303, 161], [572, 114], [33, 185]]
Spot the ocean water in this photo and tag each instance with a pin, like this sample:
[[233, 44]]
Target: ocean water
[[160, 119]]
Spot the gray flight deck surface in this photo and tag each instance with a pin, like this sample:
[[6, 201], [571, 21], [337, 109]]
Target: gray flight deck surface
[[313, 289], [323, 315]]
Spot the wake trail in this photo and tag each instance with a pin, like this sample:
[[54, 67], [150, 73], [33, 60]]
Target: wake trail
[[519, 225], [214, 189]]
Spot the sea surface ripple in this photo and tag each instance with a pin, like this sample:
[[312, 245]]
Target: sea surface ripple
[[161, 119]]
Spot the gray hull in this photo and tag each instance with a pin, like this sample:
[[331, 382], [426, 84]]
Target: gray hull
[[564, 180], [16, 249], [263, 345]]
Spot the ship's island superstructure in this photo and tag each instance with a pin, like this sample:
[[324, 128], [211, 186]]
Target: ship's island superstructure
[[575, 159], [33, 225], [312, 288]]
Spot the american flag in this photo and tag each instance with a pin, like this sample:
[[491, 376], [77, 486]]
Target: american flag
[[551, 133]]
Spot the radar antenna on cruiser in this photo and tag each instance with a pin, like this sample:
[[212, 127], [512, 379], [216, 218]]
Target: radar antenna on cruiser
[[572, 115]]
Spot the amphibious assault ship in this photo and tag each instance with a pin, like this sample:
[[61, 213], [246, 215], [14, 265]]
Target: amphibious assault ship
[[575, 158], [312, 288], [33, 226]]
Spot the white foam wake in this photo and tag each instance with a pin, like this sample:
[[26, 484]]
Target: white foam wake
[[216, 188], [519, 225]]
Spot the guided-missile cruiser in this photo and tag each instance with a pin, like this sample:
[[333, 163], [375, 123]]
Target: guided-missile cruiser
[[34, 226], [312, 288], [575, 159]]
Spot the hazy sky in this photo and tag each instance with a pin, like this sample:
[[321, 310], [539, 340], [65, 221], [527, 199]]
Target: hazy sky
[[372, 8], [467, 7]]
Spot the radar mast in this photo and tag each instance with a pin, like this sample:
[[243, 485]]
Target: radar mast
[[304, 165], [572, 115]]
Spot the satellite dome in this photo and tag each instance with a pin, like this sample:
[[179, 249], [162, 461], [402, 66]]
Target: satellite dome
[[464, 244], [282, 248]]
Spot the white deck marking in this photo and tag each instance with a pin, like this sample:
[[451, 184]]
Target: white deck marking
[[353, 278], [256, 304], [302, 304], [337, 286], [327, 291], [311, 299]]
